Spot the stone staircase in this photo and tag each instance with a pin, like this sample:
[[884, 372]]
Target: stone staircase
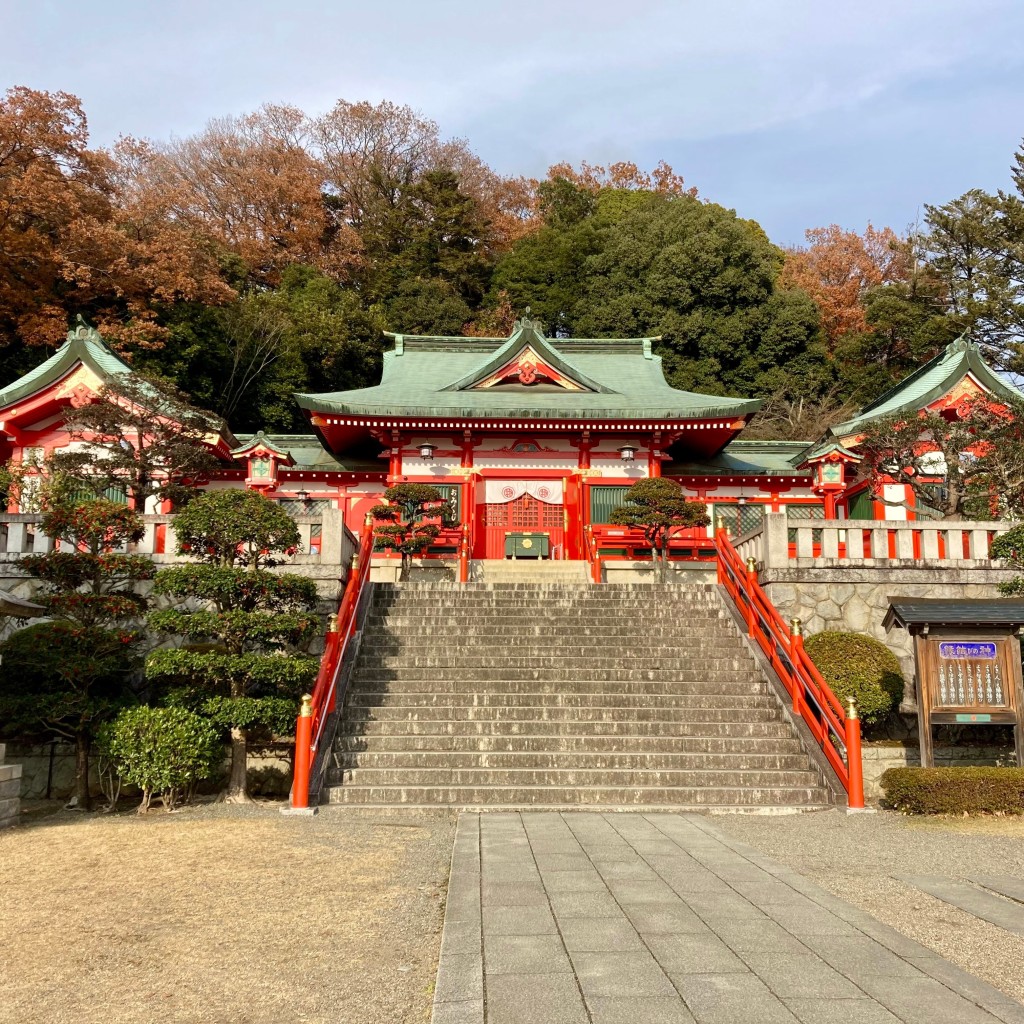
[[556, 695], [528, 570]]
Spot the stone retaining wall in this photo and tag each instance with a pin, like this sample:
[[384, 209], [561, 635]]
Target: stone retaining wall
[[856, 599], [10, 783]]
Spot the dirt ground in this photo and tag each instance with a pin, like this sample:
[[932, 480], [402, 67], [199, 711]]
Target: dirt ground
[[861, 857], [221, 914]]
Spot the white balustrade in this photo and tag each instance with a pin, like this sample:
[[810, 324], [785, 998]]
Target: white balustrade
[[780, 542]]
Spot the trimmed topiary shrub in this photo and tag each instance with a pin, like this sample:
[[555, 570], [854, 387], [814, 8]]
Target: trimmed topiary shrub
[[954, 790], [858, 666], [163, 751]]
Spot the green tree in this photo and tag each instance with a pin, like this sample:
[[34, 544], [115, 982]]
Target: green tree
[[244, 630], [975, 246], [658, 507], [634, 263], [73, 673], [405, 516]]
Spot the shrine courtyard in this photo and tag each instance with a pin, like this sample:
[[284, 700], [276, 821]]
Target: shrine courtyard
[[225, 914]]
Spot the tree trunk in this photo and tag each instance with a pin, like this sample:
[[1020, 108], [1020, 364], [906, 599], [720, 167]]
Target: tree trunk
[[82, 742], [237, 792]]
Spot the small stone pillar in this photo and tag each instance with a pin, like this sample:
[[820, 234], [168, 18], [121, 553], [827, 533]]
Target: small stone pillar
[[10, 791]]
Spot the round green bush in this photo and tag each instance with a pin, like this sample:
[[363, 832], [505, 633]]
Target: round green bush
[[163, 751], [858, 666]]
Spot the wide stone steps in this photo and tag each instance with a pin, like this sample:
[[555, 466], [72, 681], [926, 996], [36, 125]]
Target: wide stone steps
[[559, 695], [546, 795], [581, 745], [642, 778], [451, 700], [387, 713], [568, 727], [735, 684], [504, 760]]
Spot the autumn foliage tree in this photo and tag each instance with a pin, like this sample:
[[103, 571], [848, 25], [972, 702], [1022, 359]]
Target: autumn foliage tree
[[74, 235], [838, 268]]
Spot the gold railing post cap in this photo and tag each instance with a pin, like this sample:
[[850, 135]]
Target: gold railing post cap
[[306, 711], [368, 521], [796, 626], [751, 563], [851, 708], [332, 623]]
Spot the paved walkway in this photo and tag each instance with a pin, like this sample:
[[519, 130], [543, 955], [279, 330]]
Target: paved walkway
[[662, 919]]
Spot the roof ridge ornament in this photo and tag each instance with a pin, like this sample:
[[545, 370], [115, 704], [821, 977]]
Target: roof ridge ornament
[[85, 332]]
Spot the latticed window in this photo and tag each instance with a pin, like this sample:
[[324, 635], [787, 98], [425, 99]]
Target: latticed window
[[314, 507], [739, 518], [805, 512], [603, 500]]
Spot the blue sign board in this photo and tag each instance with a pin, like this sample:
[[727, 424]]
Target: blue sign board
[[965, 649]]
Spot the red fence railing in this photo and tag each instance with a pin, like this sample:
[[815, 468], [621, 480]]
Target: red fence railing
[[318, 706], [837, 732]]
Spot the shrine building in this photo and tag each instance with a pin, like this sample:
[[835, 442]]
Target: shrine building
[[527, 436]]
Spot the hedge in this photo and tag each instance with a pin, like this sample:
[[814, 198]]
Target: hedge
[[954, 790], [859, 666]]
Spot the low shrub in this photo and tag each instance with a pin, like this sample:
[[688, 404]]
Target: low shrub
[[858, 666], [954, 790], [163, 751]]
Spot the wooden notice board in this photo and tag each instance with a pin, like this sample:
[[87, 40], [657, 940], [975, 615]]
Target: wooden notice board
[[967, 677]]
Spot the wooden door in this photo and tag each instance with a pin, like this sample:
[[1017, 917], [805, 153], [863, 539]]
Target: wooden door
[[525, 514]]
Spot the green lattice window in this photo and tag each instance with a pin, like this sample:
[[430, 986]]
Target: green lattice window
[[739, 518], [603, 500]]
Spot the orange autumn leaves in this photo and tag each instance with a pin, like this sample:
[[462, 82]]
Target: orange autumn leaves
[[837, 268]]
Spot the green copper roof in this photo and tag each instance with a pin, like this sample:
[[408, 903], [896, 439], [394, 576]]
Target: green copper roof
[[84, 345], [434, 376], [311, 456], [746, 458], [933, 380]]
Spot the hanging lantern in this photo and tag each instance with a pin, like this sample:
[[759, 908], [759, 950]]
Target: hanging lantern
[[427, 452], [628, 452]]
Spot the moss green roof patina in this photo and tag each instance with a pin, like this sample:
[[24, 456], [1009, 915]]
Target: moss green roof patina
[[436, 376], [747, 458], [84, 345], [928, 384]]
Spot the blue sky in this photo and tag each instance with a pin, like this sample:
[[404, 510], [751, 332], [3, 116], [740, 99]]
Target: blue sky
[[795, 112]]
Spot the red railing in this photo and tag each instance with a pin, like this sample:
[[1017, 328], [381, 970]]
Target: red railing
[[592, 555], [318, 706], [835, 730]]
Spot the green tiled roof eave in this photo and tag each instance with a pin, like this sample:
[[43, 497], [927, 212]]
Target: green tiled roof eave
[[746, 458], [930, 383], [572, 405]]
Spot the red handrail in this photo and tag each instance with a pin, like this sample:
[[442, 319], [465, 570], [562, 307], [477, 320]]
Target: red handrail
[[592, 554], [317, 707], [836, 732]]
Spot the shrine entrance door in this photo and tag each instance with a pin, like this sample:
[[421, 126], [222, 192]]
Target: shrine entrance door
[[523, 515]]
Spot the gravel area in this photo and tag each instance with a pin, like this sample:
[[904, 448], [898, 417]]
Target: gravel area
[[858, 856], [221, 914]]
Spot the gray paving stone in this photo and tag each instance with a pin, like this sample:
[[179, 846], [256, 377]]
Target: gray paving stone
[[563, 862], [620, 975], [840, 1011], [627, 890], [518, 921], [512, 894], [858, 954], [663, 919], [808, 920], [584, 904], [525, 954], [634, 869], [459, 977], [655, 1010], [694, 953], [732, 999], [600, 935], [998, 910], [466, 1011], [923, 1001], [461, 937], [800, 975], [573, 881], [751, 936], [534, 999]]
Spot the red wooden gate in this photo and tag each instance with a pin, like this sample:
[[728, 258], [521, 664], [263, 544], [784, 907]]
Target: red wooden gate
[[525, 514]]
